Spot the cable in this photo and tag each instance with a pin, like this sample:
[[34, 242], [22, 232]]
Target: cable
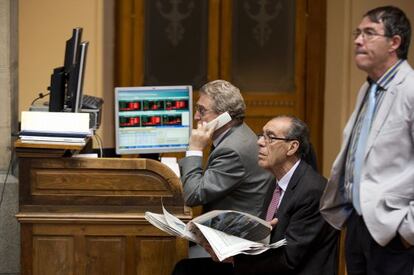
[[99, 142], [5, 179], [100, 145], [41, 95]]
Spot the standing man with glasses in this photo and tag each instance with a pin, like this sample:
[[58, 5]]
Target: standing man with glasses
[[292, 207], [231, 178], [371, 189]]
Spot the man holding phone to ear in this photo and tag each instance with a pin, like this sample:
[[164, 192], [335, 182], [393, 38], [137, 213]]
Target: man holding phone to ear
[[232, 179]]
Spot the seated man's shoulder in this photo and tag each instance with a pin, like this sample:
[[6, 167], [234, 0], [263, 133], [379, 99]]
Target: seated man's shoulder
[[313, 180]]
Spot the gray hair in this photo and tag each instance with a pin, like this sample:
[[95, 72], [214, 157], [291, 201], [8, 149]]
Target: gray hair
[[298, 131], [226, 97]]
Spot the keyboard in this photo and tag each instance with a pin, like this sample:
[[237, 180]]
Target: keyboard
[[91, 102]]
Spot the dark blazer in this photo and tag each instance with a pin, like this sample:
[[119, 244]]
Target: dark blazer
[[232, 178], [311, 243]]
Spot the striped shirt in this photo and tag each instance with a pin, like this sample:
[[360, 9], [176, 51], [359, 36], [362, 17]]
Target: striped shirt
[[383, 85]]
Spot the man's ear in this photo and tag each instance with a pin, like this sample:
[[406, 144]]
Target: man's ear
[[395, 43], [293, 148]]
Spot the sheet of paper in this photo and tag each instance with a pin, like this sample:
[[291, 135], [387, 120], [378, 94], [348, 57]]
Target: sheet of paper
[[55, 122], [172, 164]]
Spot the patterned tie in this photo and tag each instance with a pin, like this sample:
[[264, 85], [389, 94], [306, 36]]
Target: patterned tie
[[361, 147], [271, 211]]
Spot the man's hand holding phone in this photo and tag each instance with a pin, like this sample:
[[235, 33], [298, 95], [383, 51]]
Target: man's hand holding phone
[[201, 136]]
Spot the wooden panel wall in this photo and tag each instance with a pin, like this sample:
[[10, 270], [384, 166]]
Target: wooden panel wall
[[96, 249]]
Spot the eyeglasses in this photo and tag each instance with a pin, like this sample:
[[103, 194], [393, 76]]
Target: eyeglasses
[[201, 109], [271, 139], [367, 34]]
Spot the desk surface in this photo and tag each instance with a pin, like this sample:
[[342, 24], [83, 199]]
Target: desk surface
[[24, 149], [46, 145]]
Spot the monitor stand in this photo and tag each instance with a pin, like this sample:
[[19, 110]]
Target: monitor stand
[[154, 156]]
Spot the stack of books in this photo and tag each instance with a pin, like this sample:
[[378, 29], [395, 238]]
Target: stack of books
[[63, 128]]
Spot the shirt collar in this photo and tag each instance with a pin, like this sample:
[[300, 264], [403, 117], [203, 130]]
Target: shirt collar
[[284, 181], [384, 81]]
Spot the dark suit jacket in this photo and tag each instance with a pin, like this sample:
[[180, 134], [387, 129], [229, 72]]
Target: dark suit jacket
[[311, 243], [232, 178]]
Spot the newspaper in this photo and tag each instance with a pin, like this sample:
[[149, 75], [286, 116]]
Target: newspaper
[[228, 232]]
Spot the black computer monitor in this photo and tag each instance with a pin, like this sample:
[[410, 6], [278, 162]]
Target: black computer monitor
[[76, 76], [67, 81], [71, 50]]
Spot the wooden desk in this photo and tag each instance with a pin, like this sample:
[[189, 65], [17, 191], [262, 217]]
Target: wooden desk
[[43, 150], [86, 216]]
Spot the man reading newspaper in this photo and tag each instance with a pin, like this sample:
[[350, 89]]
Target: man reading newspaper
[[292, 208]]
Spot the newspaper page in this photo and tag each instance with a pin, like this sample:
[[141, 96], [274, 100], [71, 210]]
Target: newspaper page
[[170, 224], [225, 245], [239, 224], [228, 232]]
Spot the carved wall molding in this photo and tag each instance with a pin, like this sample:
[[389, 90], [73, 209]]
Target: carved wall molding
[[270, 103]]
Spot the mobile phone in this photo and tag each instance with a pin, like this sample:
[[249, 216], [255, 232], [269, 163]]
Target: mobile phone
[[222, 119]]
